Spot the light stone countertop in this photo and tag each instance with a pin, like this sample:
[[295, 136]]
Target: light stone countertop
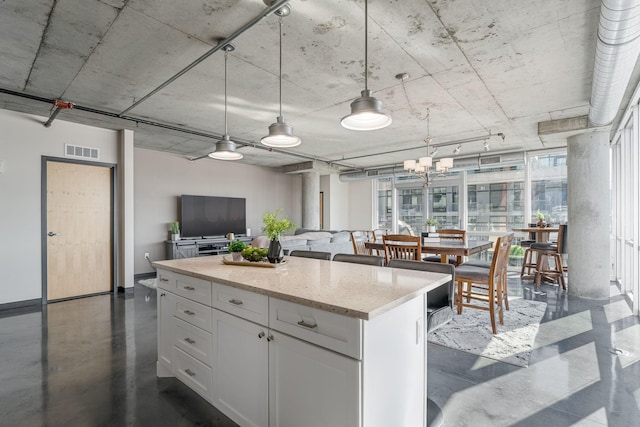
[[353, 290]]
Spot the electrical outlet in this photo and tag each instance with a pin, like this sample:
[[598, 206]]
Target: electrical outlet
[[146, 255]]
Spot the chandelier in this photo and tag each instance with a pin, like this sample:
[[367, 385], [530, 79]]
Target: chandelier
[[422, 167]]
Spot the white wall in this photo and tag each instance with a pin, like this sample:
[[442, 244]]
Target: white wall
[[160, 179], [360, 207], [23, 142]]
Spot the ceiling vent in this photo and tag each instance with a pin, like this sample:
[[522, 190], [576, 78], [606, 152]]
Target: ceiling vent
[[490, 161], [79, 152]]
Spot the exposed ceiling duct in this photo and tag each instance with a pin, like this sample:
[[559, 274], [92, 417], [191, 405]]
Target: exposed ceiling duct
[[617, 51]]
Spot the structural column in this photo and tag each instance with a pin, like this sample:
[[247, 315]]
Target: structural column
[[125, 212], [311, 200], [589, 210]]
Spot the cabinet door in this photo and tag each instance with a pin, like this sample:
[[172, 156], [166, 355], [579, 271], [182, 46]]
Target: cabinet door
[[241, 369], [165, 333], [311, 386]]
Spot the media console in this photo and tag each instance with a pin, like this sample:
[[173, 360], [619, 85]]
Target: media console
[[189, 248]]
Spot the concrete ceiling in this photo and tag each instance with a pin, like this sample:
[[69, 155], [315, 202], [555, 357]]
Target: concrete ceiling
[[480, 68]]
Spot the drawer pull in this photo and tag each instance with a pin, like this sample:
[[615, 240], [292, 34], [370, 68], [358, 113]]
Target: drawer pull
[[163, 279], [261, 334], [270, 338], [235, 301], [189, 340], [307, 325], [189, 312], [190, 372], [190, 288]]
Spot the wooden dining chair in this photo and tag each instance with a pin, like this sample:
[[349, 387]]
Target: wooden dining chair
[[485, 289], [555, 251], [449, 235], [402, 246], [358, 239]]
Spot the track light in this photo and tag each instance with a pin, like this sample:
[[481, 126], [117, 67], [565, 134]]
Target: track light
[[457, 149], [486, 145]]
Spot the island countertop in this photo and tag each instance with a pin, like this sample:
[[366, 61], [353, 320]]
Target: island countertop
[[353, 290]]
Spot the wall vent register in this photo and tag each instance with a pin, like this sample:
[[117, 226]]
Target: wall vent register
[[78, 151]]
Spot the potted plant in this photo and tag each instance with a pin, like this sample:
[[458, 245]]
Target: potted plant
[[274, 227], [235, 249], [174, 228], [431, 224], [540, 217]]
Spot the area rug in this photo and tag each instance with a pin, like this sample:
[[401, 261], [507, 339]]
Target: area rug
[[471, 332], [149, 283]]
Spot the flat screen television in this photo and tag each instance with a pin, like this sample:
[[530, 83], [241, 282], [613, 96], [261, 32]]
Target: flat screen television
[[210, 216]]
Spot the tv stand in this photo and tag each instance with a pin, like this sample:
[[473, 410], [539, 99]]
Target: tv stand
[[189, 248]]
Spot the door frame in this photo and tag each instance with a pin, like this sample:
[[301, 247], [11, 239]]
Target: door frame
[[43, 217]]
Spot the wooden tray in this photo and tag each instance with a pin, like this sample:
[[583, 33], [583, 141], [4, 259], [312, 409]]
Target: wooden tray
[[264, 264]]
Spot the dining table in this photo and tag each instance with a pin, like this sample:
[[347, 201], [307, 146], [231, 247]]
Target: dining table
[[445, 248], [541, 233]]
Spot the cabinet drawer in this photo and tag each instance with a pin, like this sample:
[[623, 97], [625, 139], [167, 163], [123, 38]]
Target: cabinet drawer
[[195, 313], [330, 330], [189, 287], [193, 340], [244, 304], [196, 375]]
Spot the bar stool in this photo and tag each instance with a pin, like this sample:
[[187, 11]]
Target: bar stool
[[555, 251]]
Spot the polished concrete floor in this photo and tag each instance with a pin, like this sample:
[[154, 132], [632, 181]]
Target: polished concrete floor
[[91, 362]]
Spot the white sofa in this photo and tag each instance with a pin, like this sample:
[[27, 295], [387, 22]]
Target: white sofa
[[335, 242]]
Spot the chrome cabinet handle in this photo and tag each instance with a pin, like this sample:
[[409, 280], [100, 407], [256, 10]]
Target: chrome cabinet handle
[[51, 234], [189, 340], [235, 301], [307, 325], [189, 313], [163, 294], [190, 372], [270, 338], [162, 279], [261, 334], [190, 288]]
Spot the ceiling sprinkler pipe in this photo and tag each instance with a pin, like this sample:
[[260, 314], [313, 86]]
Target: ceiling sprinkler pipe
[[60, 105]]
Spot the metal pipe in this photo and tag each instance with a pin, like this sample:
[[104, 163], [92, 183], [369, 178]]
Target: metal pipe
[[268, 11], [60, 105]]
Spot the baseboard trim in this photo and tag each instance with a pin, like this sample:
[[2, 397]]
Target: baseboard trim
[[21, 304], [126, 291]]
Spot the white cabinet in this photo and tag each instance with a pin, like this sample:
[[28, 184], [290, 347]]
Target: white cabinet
[[241, 369], [263, 361], [165, 333], [311, 386]]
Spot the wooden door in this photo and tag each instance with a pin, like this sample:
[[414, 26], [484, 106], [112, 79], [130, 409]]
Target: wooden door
[[79, 229]]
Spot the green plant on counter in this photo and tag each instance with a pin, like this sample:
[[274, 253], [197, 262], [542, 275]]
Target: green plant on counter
[[175, 227], [275, 226], [237, 246], [539, 216], [253, 254]]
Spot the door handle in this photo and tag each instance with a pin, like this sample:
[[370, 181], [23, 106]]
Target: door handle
[[51, 234]]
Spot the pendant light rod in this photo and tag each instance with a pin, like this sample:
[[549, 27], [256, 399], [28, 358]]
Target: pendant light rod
[[280, 22], [366, 45]]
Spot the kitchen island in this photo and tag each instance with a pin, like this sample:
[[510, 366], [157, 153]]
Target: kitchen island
[[307, 343]]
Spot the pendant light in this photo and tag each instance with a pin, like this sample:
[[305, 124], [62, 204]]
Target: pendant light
[[281, 133], [226, 148], [366, 111]]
